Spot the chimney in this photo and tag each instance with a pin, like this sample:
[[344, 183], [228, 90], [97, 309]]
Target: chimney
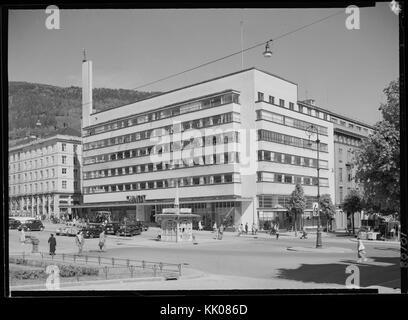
[[86, 91]]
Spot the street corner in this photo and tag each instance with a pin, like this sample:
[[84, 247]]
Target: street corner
[[320, 250]]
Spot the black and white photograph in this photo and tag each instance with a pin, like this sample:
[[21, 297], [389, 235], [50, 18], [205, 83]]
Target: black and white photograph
[[211, 149]]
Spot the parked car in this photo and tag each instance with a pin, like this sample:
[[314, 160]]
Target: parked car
[[92, 230], [112, 227], [67, 231], [129, 230], [13, 223], [31, 225], [142, 225]]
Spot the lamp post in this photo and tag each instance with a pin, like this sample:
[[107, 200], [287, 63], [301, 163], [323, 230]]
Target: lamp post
[[311, 131]]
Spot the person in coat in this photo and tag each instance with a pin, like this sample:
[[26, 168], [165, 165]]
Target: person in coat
[[53, 244]]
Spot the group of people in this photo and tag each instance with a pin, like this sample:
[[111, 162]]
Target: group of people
[[275, 230], [219, 231]]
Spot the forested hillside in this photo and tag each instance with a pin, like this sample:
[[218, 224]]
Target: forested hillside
[[55, 106]]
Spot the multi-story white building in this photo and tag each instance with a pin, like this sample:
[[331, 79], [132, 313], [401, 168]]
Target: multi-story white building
[[241, 137], [45, 174]]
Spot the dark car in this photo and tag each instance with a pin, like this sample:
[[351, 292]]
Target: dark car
[[13, 223], [31, 225], [112, 227], [142, 225], [92, 230], [129, 230]]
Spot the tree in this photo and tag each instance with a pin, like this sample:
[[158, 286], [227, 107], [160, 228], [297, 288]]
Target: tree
[[352, 203], [378, 161], [327, 208], [297, 204]]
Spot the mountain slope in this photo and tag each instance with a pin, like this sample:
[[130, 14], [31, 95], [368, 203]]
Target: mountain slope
[[55, 106]]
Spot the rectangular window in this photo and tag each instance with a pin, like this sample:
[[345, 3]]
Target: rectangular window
[[281, 103], [64, 170], [341, 174], [260, 96], [64, 159], [291, 106], [64, 147], [341, 194], [288, 179], [272, 99], [64, 184]]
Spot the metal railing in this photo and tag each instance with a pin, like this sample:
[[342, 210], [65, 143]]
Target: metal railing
[[107, 266]]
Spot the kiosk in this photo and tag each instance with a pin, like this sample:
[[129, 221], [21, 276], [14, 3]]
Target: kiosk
[[176, 224]]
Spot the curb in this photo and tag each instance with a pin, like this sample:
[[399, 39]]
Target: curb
[[378, 241], [324, 250]]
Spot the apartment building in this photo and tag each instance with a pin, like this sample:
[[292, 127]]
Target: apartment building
[[233, 147], [45, 174], [349, 135]]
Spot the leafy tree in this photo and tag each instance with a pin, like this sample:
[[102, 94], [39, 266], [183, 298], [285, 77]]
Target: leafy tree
[[378, 161], [297, 204], [352, 203], [327, 208]]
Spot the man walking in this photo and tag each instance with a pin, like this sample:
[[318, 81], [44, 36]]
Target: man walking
[[246, 228], [53, 244], [361, 251], [220, 232], [79, 239]]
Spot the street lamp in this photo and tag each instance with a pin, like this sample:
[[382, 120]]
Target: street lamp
[[267, 53], [311, 131]]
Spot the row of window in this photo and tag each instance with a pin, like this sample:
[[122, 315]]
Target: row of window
[[166, 183], [351, 125], [261, 97], [41, 187], [35, 164], [347, 140], [214, 159], [266, 135], [288, 121], [167, 112], [265, 155], [22, 155], [264, 176], [192, 142], [167, 130], [31, 176], [282, 200], [349, 175]]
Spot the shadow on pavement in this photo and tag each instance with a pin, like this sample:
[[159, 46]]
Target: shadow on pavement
[[382, 271]]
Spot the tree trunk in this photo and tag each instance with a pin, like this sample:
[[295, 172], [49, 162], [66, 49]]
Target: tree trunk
[[352, 222], [295, 225]]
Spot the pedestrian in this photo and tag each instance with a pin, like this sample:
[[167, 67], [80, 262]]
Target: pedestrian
[[246, 228], [220, 232], [53, 243], [239, 230], [361, 251], [215, 227], [102, 239], [304, 234], [79, 239], [277, 231], [22, 238], [200, 226]]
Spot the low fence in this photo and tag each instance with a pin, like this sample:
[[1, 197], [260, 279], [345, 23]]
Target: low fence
[[87, 268]]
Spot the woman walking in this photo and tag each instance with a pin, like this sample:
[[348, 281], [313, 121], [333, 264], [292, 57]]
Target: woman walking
[[361, 251]]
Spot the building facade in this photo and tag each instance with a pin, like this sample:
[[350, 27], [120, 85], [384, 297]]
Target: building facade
[[349, 135], [45, 175], [235, 146]]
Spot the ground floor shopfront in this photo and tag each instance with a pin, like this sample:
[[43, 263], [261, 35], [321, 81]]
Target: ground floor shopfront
[[45, 205], [227, 211]]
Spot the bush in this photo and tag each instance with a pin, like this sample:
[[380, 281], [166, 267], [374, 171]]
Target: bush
[[28, 274]]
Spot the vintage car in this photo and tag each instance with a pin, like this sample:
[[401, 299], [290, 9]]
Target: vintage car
[[31, 225], [92, 230], [13, 223], [129, 230], [69, 231]]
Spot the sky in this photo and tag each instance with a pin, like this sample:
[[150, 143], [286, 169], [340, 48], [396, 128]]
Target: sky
[[345, 71]]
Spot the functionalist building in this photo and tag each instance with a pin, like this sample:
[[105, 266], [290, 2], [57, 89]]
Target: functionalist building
[[235, 146], [45, 174]]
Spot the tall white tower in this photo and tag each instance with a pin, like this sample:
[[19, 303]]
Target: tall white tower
[[87, 108]]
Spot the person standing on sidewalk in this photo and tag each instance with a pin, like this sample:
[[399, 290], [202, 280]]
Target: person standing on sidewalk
[[102, 240], [220, 232], [246, 228], [215, 227], [200, 226], [277, 231], [53, 244]]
